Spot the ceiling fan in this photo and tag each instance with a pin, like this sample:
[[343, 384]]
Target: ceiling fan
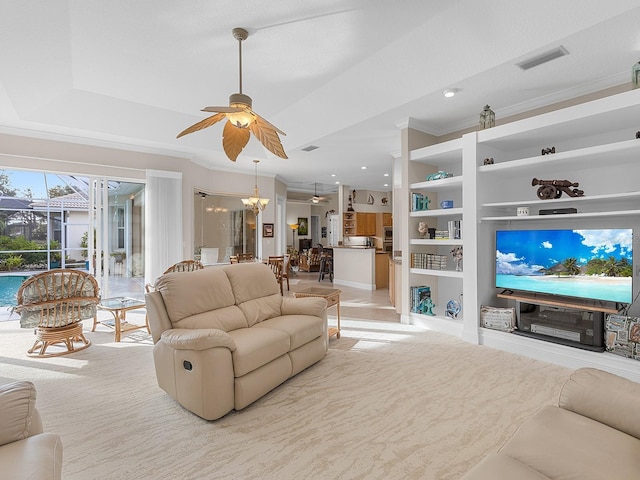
[[242, 120], [316, 198]]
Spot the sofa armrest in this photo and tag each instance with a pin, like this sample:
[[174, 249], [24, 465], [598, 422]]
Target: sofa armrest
[[39, 456], [18, 412], [603, 397], [197, 339], [315, 306], [157, 315]]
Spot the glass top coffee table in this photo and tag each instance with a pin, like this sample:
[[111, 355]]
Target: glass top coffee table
[[119, 306], [331, 295]]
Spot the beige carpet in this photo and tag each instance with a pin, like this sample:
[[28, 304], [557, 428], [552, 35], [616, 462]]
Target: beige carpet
[[387, 402]]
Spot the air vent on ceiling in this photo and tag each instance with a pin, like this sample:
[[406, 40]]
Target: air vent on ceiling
[[543, 58], [309, 148]]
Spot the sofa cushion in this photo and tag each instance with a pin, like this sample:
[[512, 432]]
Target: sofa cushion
[[604, 397], [17, 404], [225, 319], [190, 293], [261, 309], [563, 445], [251, 280], [501, 467], [300, 328], [256, 347]]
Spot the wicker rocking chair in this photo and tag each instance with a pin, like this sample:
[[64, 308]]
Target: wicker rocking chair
[[182, 266], [55, 303], [185, 266]]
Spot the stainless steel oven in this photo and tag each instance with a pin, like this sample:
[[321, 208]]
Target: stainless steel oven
[[387, 240]]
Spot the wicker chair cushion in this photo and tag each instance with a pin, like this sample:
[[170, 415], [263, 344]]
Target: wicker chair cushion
[[55, 300]]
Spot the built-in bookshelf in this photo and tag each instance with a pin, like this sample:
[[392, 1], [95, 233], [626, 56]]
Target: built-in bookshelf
[[595, 147]]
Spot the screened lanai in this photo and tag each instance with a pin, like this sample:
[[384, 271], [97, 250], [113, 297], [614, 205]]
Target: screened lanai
[[51, 220]]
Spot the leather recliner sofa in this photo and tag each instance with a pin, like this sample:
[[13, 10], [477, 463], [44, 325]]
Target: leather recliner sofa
[[593, 433], [224, 336], [25, 451]]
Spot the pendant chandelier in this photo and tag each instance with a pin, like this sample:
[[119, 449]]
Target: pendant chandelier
[[255, 203]]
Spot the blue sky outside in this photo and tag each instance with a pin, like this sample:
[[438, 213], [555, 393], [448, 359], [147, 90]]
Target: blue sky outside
[[525, 252], [38, 182]]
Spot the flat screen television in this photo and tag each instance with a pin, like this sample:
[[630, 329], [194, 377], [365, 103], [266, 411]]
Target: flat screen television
[[595, 264]]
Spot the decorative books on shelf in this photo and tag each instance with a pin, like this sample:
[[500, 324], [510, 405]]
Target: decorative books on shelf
[[429, 261], [419, 202], [455, 229], [421, 299]]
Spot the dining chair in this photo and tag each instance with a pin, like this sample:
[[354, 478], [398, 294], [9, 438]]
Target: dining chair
[[276, 262]]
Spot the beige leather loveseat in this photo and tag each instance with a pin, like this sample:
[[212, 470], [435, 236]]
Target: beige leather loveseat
[[224, 336], [593, 433], [25, 451]]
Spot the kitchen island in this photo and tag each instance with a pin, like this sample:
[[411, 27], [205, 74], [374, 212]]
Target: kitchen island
[[356, 267]]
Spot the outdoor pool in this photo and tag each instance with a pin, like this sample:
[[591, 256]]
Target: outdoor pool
[[9, 285]]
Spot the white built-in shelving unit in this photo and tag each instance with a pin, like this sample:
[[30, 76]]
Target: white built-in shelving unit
[[596, 146], [447, 157]]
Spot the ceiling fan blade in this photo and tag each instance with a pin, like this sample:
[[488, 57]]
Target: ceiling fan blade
[[221, 109], [268, 136], [265, 122], [207, 122], [234, 140]]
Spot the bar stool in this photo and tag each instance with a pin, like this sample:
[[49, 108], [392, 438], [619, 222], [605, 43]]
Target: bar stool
[[326, 265]]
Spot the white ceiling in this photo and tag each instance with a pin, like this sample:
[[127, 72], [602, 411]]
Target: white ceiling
[[342, 75]]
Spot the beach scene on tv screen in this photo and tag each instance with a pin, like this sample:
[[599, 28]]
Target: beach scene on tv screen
[[592, 264]]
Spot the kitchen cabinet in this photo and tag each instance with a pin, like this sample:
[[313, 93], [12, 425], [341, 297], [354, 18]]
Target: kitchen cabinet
[[359, 224], [382, 270]]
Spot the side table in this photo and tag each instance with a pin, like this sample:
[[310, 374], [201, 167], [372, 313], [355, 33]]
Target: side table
[[119, 306], [331, 295]]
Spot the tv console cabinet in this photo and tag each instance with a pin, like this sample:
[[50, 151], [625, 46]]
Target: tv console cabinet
[[570, 322], [596, 146]]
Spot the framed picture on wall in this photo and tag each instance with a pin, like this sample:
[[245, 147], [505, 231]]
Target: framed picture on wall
[[303, 226], [267, 230]]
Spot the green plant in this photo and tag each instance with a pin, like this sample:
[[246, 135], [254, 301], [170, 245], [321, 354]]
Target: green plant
[[14, 262], [56, 256], [84, 244]]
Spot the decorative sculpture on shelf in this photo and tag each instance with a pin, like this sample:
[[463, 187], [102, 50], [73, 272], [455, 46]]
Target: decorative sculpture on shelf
[[550, 189], [423, 229], [487, 117], [428, 306], [456, 253], [384, 200], [547, 151], [488, 161], [440, 174], [638, 134], [453, 309], [350, 207]]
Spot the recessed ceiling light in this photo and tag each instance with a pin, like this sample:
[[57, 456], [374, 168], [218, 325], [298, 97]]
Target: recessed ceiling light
[[385, 185], [337, 183], [333, 174], [386, 174], [450, 92], [363, 168]]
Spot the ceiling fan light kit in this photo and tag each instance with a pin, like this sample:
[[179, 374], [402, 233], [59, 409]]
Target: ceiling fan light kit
[[241, 119]]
